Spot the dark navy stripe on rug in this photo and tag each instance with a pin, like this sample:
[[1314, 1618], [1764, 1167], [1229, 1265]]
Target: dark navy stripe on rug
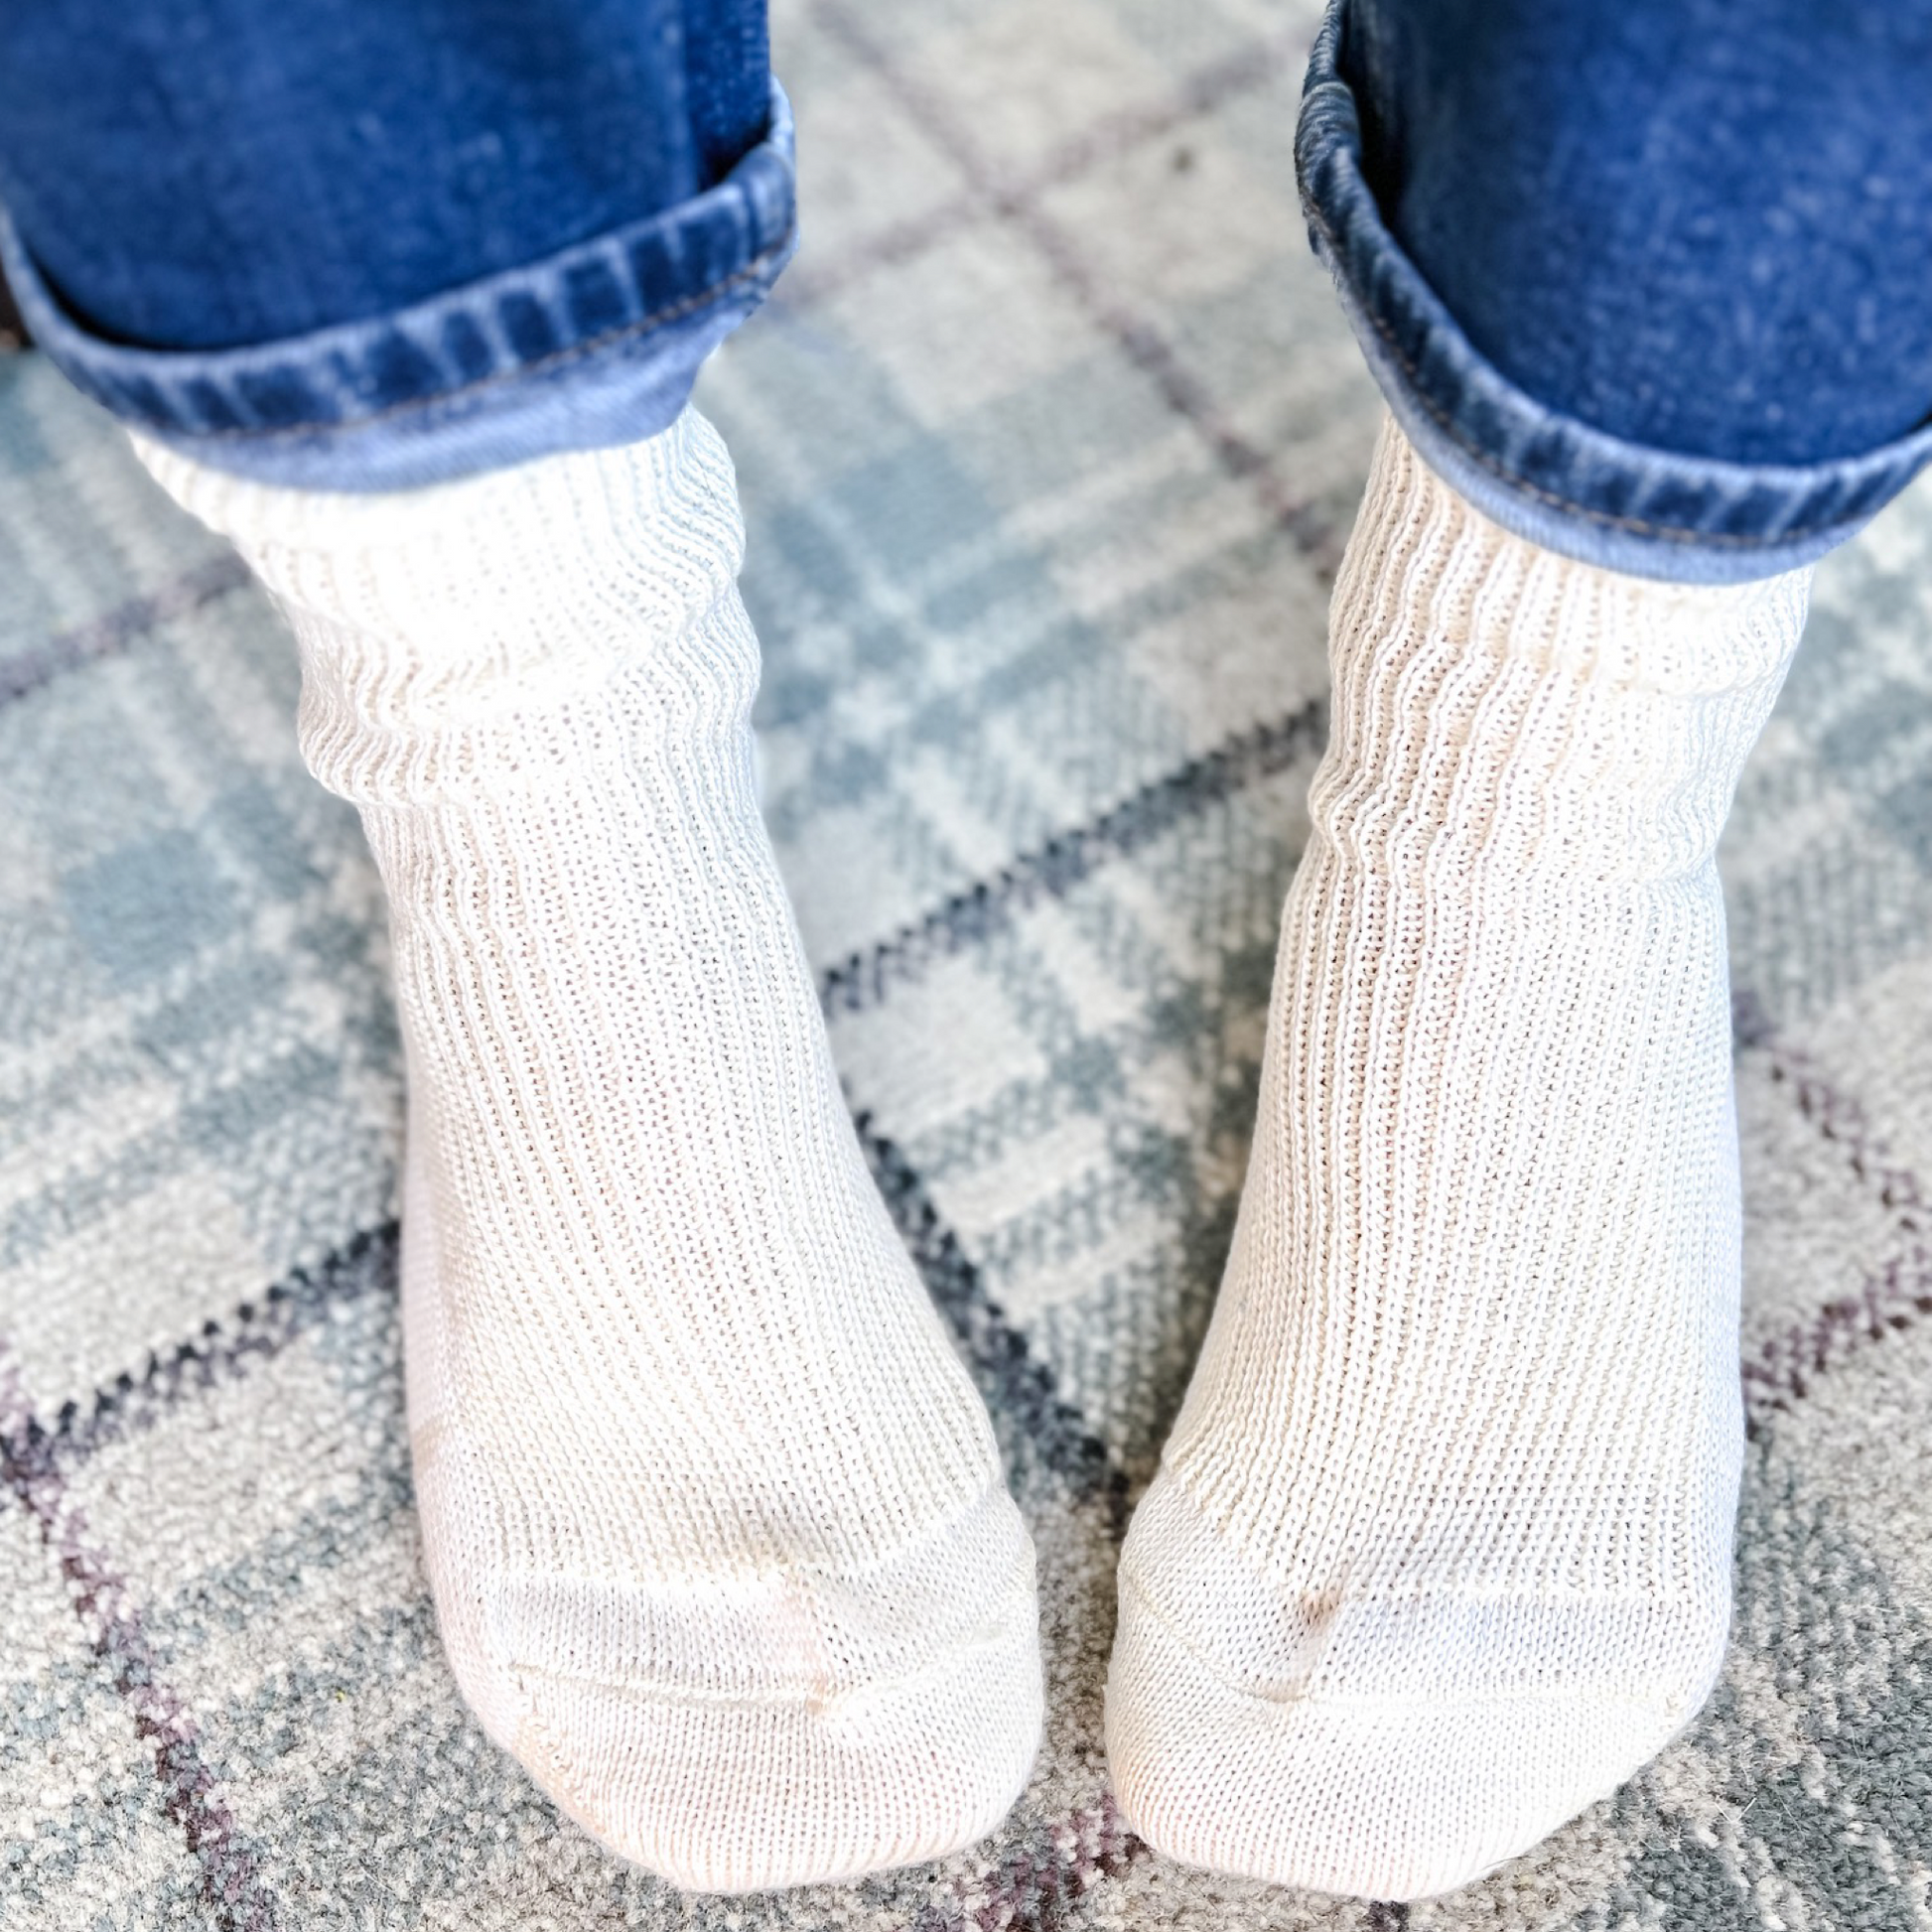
[[257, 1330], [1018, 1385], [1014, 1383], [1053, 869], [111, 635]]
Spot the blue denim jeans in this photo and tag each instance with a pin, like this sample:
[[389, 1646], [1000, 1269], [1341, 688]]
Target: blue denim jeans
[[365, 244], [1647, 282]]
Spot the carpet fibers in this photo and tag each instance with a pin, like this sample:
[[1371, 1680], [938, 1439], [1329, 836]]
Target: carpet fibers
[[1049, 446]]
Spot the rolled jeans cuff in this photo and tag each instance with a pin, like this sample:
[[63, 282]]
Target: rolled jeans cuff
[[1536, 471], [590, 347]]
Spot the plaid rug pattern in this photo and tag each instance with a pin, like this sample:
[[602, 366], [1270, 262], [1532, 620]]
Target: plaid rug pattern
[[1049, 446]]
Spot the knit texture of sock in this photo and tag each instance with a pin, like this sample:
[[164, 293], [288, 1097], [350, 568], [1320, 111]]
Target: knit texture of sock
[[712, 1513], [1440, 1550]]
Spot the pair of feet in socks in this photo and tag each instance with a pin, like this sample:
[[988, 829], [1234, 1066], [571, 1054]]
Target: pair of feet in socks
[[721, 1551]]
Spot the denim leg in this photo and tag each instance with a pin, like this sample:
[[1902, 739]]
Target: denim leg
[[1702, 224], [1647, 281], [366, 243]]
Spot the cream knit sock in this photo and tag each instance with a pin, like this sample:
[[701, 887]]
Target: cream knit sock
[[712, 1513], [1440, 1550]]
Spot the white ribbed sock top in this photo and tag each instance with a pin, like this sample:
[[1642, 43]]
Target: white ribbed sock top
[[712, 1512], [1441, 1548]]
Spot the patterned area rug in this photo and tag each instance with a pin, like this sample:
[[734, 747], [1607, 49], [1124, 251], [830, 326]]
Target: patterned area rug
[[1049, 449]]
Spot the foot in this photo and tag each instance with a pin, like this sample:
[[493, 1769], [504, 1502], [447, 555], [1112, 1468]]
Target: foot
[[1440, 1550], [712, 1514]]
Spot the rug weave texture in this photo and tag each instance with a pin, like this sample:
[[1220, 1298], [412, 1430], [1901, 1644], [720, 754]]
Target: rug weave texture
[[1049, 447]]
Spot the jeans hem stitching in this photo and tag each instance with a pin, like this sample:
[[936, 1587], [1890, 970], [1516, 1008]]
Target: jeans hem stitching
[[1677, 533], [544, 365]]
